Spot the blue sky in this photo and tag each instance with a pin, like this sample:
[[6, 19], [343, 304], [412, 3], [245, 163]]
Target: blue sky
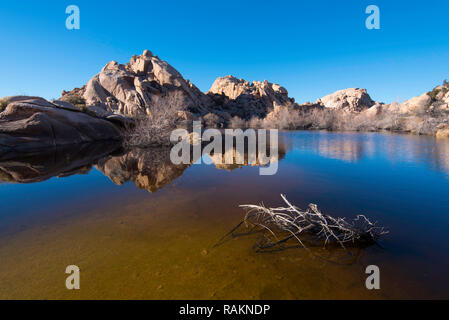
[[312, 48]]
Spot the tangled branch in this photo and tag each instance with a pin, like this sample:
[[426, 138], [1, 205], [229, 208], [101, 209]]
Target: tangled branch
[[282, 224]]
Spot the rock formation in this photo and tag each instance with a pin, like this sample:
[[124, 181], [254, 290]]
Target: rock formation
[[134, 89], [237, 97], [147, 83], [353, 99], [30, 123]]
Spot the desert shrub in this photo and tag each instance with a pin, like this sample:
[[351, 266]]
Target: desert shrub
[[433, 94], [85, 109], [388, 118], [237, 123], [3, 104], [154, 129], [77, 101]]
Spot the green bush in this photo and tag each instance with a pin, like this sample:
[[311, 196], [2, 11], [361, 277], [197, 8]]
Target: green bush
[[86, 110], [77, 101], [433, 94]]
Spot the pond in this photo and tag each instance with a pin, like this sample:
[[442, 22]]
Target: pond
[[140, 227]]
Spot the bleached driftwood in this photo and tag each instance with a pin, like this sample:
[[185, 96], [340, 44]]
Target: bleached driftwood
[[282, 224]]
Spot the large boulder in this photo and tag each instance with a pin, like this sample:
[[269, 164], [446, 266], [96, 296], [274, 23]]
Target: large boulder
[[140, 86], [352, 99], [442, 131], [416, 105], [32, 123]]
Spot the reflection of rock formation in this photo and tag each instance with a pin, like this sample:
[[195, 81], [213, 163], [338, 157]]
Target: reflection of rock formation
[[440, 156], [346, 147], [58, 162], [428, 150], [232, 159], [346, 150], [149, 169], [352, 147]]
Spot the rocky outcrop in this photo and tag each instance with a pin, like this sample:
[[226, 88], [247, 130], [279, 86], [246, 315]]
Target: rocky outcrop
[[29, 123], [148, 83], [436, 101], [442, 131], [353, 99], [135, 89], [238, 97]]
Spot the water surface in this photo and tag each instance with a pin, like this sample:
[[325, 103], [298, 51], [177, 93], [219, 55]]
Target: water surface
[[140, 227]]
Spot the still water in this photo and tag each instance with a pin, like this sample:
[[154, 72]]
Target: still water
[[139, 227]]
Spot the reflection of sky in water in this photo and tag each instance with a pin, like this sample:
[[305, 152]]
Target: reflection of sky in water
[[352, 147]]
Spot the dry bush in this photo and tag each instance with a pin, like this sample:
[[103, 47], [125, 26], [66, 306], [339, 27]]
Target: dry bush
[[424, 123], [3, 104], [155, 128]]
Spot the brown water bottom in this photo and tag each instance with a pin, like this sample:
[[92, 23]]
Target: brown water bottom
[[163, 248]]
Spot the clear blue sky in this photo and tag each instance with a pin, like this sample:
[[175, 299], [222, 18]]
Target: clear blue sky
[[312, 48]]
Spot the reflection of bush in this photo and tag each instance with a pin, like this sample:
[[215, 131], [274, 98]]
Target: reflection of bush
[[5, 177]]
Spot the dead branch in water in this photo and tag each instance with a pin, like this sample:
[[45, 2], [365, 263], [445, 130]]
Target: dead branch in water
[[292, 223]]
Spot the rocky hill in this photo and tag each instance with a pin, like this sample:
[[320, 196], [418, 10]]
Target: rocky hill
[[148, 83], [135, 88]]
